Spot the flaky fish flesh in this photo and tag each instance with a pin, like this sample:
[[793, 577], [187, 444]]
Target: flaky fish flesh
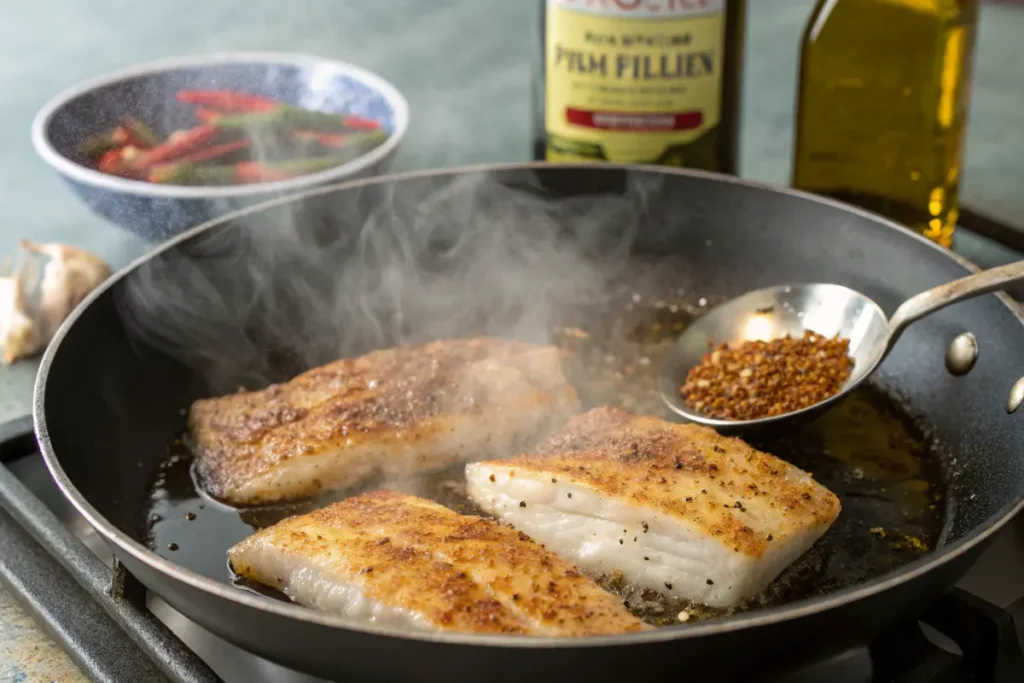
[[675, 508], [393, 412], [404, 561]]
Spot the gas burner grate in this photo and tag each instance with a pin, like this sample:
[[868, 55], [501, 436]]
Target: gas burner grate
[[97, 614]]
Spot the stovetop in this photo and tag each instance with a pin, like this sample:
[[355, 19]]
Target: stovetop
[[60, 569]]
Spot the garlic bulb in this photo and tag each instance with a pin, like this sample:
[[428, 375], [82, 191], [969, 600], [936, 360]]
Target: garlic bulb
[[19, 333], [68, 277]]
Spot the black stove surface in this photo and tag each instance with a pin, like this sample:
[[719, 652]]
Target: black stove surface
[[969, 636]]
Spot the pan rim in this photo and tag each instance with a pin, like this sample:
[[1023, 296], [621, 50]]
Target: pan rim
[[759, 618]]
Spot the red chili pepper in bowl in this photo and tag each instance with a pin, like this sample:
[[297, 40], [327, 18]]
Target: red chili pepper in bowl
[[227, 101], [323, 139], [255, 172], [119, 161], [207, 115], [359, 123], [110, 162], [177, 146], [212, 103]]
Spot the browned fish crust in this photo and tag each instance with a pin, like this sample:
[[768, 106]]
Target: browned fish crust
[[401, 405], [721, 485], [457, 572]]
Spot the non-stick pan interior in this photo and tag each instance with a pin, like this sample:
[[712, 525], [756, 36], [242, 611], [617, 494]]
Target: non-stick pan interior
[[263, 296]]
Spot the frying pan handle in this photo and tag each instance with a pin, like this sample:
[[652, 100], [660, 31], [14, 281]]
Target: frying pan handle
[[968, 287]]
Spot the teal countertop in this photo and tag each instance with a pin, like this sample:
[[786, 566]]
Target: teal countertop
[[464, 65]]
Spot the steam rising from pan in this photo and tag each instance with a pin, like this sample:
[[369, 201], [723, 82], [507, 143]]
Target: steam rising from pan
[[341, 273]]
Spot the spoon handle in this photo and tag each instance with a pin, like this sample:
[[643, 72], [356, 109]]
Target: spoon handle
[[922, 304]]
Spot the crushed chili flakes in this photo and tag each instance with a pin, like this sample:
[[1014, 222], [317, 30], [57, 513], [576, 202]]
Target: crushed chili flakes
[[758, 379]]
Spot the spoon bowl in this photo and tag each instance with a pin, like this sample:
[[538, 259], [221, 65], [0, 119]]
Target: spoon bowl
[[765, 314], [826, 309]]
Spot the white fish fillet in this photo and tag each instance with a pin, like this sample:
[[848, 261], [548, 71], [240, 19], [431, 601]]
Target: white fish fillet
[[675, 508], [395, 411], [405, 561]]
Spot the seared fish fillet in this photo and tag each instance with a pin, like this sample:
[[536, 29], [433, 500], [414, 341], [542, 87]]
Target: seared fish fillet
[[675, 508], [405, 561], [396, 411]]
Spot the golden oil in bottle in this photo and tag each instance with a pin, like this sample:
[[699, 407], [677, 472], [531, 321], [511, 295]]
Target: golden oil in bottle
[[882, 107], [639, 81]]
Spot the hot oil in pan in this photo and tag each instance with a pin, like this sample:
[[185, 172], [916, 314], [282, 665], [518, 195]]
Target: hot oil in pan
[[866, 450]]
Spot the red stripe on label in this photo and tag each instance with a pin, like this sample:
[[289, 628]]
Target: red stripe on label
[[620, 120]]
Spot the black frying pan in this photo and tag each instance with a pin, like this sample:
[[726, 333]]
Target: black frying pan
[[259, 295]]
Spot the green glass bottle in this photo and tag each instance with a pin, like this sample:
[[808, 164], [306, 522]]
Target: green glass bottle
[[882, 107]]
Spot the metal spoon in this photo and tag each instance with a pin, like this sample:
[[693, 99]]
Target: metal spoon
[[823, 308]]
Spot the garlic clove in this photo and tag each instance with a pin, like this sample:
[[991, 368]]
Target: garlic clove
[[19, 333], [68, 277]]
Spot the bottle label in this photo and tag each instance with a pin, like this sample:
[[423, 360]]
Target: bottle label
[[631, 81]]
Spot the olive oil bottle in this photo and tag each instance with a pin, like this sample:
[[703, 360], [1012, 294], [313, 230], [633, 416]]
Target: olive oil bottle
[[882, 107], [639, 81]]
